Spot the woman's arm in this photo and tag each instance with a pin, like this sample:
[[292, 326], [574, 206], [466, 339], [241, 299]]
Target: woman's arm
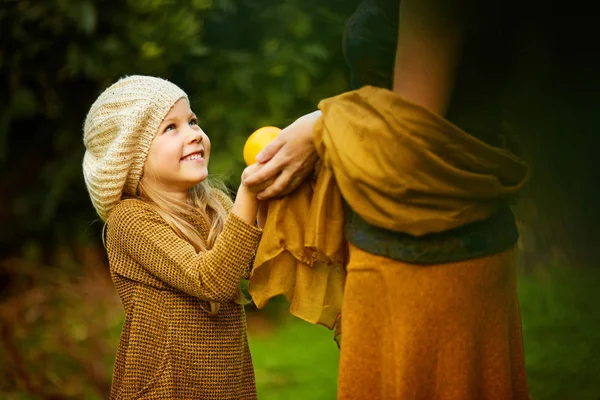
[[430, 37]]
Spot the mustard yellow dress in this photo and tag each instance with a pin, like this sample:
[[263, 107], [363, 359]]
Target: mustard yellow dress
[[170, 347], [447, 331]]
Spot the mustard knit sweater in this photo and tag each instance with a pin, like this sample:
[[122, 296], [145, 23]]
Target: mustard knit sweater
[[170, 348]]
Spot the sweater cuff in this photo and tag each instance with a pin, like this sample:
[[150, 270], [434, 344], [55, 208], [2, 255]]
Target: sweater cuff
[[242, 235]]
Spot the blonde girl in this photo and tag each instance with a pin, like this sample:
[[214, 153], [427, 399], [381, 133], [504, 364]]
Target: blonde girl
[[177, 246]]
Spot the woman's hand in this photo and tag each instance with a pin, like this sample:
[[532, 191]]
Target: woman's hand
[[286, 161]]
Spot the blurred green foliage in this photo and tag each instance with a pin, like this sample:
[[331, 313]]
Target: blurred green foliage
[[244, 64], [249, 63], [58, 331]]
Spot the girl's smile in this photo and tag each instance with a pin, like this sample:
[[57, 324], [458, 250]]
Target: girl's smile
[[179, 153]]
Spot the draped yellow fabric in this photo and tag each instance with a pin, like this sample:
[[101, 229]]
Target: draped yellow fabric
[[399, 167], [303, 252]]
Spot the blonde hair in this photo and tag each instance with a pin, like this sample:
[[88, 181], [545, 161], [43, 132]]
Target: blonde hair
[[203, 200]]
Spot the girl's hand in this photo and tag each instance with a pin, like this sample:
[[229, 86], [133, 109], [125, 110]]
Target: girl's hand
[[250, 170], [286, 161], [246, 203]]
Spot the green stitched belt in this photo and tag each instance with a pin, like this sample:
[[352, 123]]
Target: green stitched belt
[[492, 235]]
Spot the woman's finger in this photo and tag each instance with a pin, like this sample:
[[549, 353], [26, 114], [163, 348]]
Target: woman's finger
[[297, 179], [277, 187], [268, 171], [272, 148], [261, 186]]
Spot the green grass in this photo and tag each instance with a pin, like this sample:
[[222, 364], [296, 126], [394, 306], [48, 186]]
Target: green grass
[[61, 347], [296, 361], [561, 327]]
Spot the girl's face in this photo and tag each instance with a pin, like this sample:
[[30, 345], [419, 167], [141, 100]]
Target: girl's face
[[178, 155]]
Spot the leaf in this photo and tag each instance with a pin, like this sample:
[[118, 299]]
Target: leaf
[[302, 83], [301, 27], [271, 45], [199, 51], [227, 6], [316, 50], [278, 70], [203, 4], [151, 50], [23, 103], [87, 17]]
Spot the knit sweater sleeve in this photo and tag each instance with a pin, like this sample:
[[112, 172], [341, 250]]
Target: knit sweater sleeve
[[141, 235], [226, 201]]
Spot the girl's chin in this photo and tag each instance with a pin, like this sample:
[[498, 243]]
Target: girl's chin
[[200, 177]]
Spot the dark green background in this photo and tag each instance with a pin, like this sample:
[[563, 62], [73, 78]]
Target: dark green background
[[246, 64]]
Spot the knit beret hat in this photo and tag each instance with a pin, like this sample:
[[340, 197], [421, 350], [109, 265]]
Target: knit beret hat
[[117, 134]]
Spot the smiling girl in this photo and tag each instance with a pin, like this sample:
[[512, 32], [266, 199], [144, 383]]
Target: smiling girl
[[177, 246]]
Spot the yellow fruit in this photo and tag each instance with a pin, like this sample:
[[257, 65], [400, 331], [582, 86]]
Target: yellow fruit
[[257, 141]]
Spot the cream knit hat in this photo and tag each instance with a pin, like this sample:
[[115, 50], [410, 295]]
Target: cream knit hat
[[117, 134]]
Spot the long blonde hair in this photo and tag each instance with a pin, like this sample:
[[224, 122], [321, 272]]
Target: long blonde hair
[[203, 200]]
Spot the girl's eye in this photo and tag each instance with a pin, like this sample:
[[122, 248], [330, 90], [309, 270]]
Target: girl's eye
[[170, 127], [194, 121]]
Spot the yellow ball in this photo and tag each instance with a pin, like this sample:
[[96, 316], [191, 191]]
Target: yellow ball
[[257, 141]]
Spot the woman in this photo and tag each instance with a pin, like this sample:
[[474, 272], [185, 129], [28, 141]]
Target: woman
[[430, 308]]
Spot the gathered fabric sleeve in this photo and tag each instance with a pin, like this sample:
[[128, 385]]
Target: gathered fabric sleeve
[[138, 233]]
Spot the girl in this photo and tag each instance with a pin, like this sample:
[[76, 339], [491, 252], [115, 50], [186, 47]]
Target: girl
[[177, 246]]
